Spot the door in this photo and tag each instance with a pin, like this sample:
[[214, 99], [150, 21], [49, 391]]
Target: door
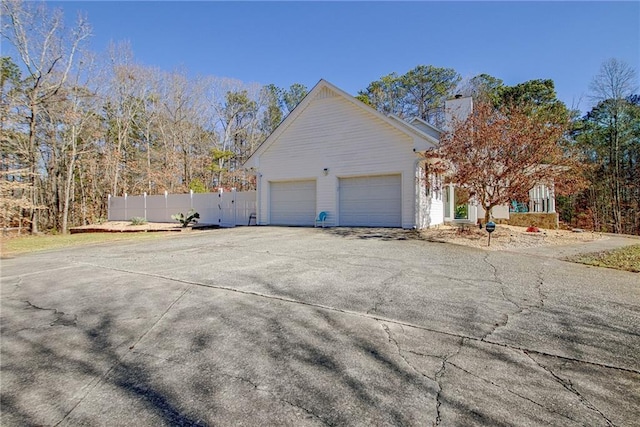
[[371, 201], [293, 202]]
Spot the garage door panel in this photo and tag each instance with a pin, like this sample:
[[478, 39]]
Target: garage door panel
[[293, 202], [374, 201]]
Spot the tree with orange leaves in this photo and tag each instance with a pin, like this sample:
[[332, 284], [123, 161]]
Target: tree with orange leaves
[[499, 153]]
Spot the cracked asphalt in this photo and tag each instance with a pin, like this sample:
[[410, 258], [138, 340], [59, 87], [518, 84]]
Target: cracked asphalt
[[298, 326]]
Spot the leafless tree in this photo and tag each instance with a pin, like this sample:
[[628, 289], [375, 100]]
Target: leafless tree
[[47, 51]]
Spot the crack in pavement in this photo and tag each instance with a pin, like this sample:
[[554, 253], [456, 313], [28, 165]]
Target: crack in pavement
[[16, 286], [417, 353], [59, 316], [439, 374], [541, 295], [394, 342], [378, 299], [497, 279], [257, 387], [510, 391], [102, 377], [89, 388], [568, 385], [361, 314], [438, 379], [184, 291], [521, 307]]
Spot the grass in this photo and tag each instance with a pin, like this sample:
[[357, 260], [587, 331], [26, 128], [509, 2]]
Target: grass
[[27, 244], [627, 258]]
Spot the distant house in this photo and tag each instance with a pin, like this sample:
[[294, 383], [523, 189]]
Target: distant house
[[337, 155]]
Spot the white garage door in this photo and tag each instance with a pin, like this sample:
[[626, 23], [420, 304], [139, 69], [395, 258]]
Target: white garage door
[[293, 203], [371, 201]]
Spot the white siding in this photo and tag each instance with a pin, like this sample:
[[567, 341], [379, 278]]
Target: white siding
[[429, 196], [498, 212], [436, 213], [348, 141]]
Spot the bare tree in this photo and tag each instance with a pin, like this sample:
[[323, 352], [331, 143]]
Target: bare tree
[[615, 80], [614, 83], [82, 102], [122, 105], [47, 52], [234, 107]]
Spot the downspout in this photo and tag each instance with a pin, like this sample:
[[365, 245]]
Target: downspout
[[417, 190], [258, 198]]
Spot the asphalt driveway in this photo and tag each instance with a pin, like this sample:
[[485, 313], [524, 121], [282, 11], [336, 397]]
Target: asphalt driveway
[[299, 326]]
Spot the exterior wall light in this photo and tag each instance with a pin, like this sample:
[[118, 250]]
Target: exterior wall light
[[325, 171]]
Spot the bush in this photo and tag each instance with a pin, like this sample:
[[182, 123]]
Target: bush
[[461, 212], [187, 219], [137, 220], [197, 186]]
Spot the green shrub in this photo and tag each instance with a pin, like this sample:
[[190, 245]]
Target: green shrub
[[137, 220], [462, 212], [197, 186], [187, 219]]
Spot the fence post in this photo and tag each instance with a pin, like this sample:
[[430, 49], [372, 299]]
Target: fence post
[[125, 206], [145, 205], [166, 206], [234, 207], [109, 207], [190, 199]]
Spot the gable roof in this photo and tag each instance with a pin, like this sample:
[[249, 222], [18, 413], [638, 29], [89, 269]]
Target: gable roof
[[432, 130], [428, 141]]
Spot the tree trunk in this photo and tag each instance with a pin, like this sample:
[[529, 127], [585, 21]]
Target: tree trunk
[[33, 211], [67, 185], [617, 204], [487, 214]]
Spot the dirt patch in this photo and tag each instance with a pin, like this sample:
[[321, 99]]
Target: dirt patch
[[505, 237], [126, 227]]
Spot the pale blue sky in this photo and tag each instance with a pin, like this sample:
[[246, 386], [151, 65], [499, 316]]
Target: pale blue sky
[[353, 43]]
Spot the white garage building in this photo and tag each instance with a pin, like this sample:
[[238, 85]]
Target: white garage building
[[335, 154]]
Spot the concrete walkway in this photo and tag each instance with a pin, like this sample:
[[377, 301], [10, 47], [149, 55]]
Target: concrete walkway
[[303, 327]]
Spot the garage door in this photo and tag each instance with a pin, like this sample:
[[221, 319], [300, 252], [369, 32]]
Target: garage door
[[293, 203], [371, 201]]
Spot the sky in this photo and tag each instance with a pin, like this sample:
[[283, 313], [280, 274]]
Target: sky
[[351, 44]]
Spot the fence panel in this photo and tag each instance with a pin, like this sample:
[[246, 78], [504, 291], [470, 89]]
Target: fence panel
[[205, 205], [245, 206], [157, 209], [135, 207], [117, 209], [226, 209]]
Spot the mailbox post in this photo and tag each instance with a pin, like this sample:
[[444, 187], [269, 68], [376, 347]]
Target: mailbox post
[[490, 227]]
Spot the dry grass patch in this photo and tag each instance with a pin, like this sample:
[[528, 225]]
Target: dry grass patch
[[25, 244], [627, 259], [505, 237]]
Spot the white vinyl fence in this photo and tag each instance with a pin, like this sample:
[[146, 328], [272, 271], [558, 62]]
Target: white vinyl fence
[[226, 209]]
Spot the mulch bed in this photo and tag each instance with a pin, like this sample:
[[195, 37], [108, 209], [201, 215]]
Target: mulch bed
[[127, 227]]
